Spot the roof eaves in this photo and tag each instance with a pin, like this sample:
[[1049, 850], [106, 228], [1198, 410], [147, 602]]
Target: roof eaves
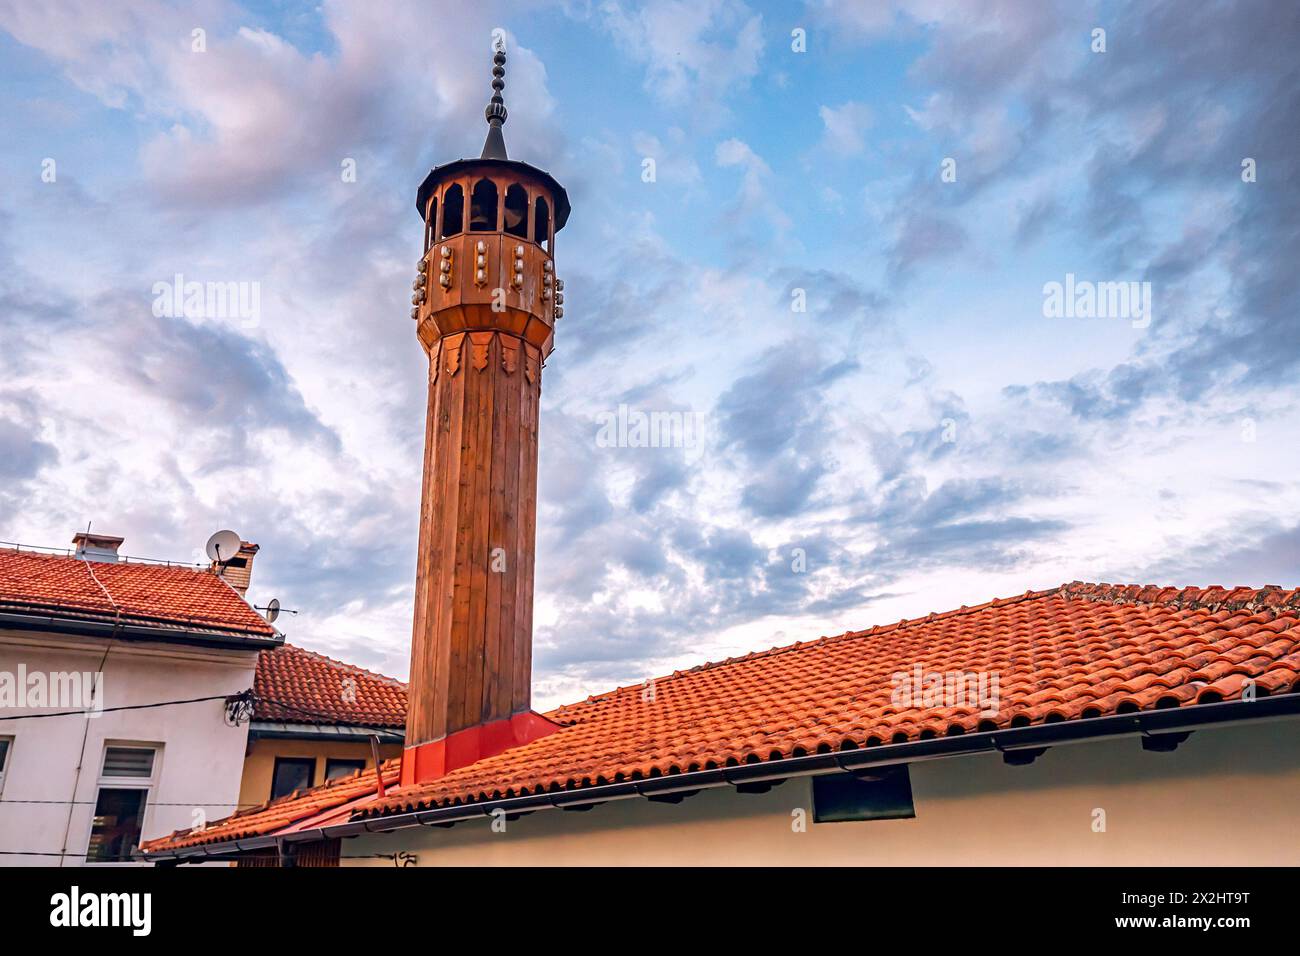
[[35, 618], [293, 730]]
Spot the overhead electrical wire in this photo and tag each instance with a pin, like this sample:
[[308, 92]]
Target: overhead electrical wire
[[109, 710], [248, 694], [164, 703]]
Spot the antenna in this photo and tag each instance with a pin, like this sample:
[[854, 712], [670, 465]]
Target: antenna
[[223, 546]]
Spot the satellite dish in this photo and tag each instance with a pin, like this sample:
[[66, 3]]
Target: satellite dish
[[274, 610], [223, 546]]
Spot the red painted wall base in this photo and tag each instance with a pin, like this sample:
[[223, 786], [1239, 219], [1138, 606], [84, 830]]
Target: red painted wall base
[[429, 761]]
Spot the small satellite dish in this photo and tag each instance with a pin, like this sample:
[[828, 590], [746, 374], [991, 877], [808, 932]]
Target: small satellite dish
[[223, 546], [273, 610]]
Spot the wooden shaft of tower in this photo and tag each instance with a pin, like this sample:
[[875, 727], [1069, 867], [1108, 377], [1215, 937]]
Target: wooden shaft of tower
[[478, 519]]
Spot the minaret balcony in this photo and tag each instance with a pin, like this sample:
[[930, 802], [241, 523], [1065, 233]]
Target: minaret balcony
[[479, 281]]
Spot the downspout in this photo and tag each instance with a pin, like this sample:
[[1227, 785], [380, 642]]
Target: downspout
[[85, 734], [81, 760], [379, 770]]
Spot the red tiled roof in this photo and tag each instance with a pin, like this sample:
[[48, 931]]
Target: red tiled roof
[[1077, 652], [133, 593], [290, 811], [302, 687]]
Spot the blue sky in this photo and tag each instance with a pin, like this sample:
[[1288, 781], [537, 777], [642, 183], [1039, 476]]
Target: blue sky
[[923, 433]]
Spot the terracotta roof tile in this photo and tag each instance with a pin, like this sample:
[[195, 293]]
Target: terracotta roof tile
[[291, 809], [1075, 652], [303, 687], [131, 592]]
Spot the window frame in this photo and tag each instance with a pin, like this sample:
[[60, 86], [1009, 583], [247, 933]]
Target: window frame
[[118, 745], [8, 741], [106, 782], [275, 768], [487, 183], [442, 214], [527, 234], [542, 237], [431, 223]]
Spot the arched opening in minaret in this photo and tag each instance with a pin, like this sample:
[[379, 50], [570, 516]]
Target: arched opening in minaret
[[542, 224], [516, 211], [483, 207], [431, 224], [453, 211]]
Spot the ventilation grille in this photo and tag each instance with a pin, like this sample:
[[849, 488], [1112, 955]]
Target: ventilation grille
[[128, 762]]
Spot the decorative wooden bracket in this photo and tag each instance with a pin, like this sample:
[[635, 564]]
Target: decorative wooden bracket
[[451, 346], [479, 343], [509, 354]]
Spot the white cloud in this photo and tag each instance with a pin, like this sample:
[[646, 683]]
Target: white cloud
[[253, 116], [306, 432], [695, 51], [845, 128], [674, 164], [756, 196]]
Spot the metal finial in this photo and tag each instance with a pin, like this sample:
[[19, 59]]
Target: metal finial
[[495, 113]]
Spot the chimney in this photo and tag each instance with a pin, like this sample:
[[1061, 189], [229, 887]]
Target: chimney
[[238, 571], [97, 547], [485, 306]]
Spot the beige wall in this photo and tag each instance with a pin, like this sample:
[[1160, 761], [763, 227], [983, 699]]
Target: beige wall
[[259, 765], [1226, 796]]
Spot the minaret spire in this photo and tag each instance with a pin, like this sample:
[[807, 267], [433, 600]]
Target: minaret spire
[[495, 113]]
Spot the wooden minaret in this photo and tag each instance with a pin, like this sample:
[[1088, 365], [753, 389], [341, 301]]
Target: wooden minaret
[[486, 304]]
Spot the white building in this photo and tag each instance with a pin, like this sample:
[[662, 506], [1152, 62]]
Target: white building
[[88, 643]]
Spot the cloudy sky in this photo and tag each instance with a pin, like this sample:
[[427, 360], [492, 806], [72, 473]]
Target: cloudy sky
[[922, 433]]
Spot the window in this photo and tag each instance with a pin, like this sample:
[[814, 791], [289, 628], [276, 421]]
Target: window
[[883, 793], [517, 211], [128, 762], [292, 773], [431, 225], [125, 781], [336, 767], [119, 818], [483, 207], [5, 743], [542, 224], [453, 211]]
